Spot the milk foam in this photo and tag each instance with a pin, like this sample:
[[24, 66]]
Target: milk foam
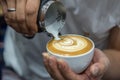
[[55, 28], [70, 44]]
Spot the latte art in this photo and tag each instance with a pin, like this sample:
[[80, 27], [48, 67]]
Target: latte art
[[69, 45]]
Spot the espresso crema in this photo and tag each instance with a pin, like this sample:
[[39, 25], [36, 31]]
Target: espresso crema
[[70, 45]]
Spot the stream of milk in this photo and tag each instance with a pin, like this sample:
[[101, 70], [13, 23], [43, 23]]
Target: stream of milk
[[55, 28]]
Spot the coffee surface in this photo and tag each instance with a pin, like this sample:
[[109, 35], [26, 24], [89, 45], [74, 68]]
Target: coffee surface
[[69, 45]]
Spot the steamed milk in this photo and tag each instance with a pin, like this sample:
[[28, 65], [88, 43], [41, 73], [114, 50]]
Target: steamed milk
[[69, 45], [55, 28]]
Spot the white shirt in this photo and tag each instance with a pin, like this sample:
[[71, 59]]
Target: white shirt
[[93, 18]]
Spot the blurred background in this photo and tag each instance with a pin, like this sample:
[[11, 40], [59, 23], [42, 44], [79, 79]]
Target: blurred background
[[2, 34]]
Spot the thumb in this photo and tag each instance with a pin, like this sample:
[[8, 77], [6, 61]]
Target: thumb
[[97, 70], [100, 64]]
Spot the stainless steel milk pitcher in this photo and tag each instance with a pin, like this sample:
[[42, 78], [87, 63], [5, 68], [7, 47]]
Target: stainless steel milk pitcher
[[51, 12]]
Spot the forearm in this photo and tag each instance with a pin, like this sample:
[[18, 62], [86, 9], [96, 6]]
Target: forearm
[[114, 38], [113, 72]]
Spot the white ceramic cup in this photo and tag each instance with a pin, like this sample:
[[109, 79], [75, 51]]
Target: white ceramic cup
[[77, 63]]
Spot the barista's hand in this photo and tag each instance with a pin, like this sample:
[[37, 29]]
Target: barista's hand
[[59, 70], [23, 20]]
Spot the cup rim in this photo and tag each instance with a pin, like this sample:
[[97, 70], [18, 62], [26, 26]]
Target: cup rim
[[88, 52]]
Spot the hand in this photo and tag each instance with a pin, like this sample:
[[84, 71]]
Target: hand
[[23, 18], [59, 70]]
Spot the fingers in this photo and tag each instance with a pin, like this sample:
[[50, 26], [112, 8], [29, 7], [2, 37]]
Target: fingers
[[10, 17], [11, 3], [24, 19], [20, 16], [68, 74], [4, 6], [51, 66], [31, 15], [100, 65], [59, 70]]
